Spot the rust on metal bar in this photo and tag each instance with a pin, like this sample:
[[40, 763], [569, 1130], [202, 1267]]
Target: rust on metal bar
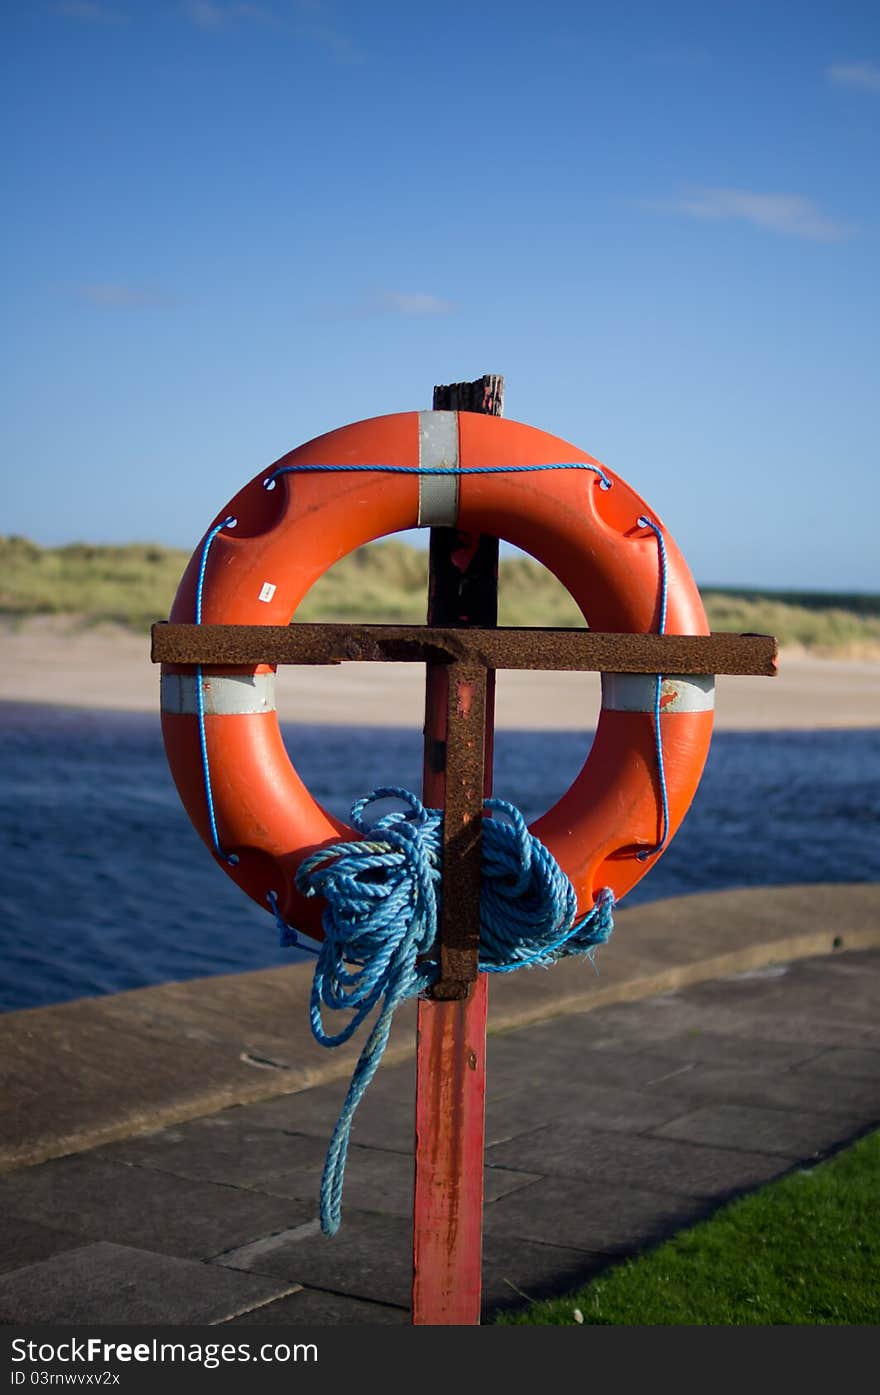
[[462, 831], [463, 593], [508, 648]]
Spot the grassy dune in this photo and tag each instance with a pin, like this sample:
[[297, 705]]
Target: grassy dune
[[135, 584]]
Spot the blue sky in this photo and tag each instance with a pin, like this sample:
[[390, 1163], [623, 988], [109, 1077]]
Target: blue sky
[[234, 226]]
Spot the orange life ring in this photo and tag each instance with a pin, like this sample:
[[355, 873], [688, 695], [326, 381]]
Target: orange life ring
[[288, 536]]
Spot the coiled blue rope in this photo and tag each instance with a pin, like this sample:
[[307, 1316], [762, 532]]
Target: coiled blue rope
[[380, 928]]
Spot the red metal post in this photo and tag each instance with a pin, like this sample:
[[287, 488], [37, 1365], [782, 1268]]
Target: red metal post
[[451, 1046]]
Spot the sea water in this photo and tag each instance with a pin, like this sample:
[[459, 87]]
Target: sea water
[[105, 886]]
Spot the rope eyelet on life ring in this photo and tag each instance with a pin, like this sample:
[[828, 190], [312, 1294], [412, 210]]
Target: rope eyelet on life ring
[[363, 482]]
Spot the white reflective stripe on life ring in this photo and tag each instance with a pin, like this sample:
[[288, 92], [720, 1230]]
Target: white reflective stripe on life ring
[[438, 449], [229, 695], [635, 692]]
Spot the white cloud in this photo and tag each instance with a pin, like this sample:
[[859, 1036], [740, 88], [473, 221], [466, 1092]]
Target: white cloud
[[206, 14], [311, 23], [118, 295], [674, 55], [88, 11], [864, 75], [378, 302], [415, 303], [790, 214], [211, 14], [338, 46]]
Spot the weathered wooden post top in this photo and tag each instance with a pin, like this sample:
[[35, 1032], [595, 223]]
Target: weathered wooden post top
[[470, 479]]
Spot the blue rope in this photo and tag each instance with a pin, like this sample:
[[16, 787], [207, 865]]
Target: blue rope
[[230, 858], [645, 522], [605, 481], [380, 928], [288, 937]]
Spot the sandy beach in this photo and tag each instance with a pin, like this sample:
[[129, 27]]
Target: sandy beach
[[50, 660]]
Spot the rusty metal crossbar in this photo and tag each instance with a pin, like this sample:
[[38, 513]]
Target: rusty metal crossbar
[[509, 648], [469, 657]]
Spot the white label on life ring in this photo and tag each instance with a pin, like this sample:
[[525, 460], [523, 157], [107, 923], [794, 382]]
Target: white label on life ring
[[227, 695], [636, 692], [267, 591], [438, 450]]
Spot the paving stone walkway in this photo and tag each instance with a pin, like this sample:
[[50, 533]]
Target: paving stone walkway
[[606, 1131]]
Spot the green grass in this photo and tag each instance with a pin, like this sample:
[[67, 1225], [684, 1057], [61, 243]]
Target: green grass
[[804, 1250], [135, 585], [811, 623]]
